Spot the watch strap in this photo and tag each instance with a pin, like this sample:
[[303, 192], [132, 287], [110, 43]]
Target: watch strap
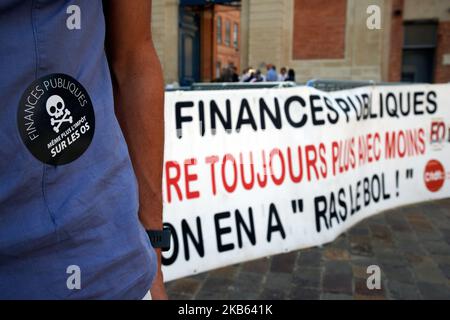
[[160, 238]]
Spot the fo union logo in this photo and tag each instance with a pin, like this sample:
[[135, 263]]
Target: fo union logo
[[434, 175], [439, 134]]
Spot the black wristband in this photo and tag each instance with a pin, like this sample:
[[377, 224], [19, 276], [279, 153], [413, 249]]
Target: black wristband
[[160, 238]]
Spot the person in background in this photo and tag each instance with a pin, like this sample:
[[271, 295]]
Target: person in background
[[245, 75], [226, 75], [290, 75], [258, 77], [271, 73], [283, 74], [234, 74], [249, 76]]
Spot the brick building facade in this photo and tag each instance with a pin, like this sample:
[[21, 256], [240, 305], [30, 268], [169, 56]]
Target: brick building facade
[[221, 41], [443, 53], [195, 39], [323, 39], [319, 29]]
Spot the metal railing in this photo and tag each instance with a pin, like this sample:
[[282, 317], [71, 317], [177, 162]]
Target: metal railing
[[320, 84], [335, 85], [233, 85]]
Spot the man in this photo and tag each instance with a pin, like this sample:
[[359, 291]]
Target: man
[[257, 77], [235, 75], [283, 74], [73, 220], [271, 73], [247, 74]]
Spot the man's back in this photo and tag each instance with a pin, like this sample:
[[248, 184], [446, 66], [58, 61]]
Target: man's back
[[272, 75], [68, 195]]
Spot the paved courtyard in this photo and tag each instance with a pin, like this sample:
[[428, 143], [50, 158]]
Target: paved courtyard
[[411, 245]]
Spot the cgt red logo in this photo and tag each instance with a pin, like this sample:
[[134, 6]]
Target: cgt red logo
[[434, 175]]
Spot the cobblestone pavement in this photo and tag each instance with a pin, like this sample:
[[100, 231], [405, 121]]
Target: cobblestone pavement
[[411, 245]]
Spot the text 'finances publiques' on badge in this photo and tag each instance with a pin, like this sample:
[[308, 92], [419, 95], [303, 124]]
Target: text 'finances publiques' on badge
[[56, 119]]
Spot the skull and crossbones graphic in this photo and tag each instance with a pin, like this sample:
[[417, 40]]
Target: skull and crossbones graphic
[[58, 112]]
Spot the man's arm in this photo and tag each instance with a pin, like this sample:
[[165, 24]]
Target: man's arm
[[139, 103]]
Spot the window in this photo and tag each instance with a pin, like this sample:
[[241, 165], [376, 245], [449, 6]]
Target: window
[[419, 51], [227, 33], [219, 30], [235, 35]]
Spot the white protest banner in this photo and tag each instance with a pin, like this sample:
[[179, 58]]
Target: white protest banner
[[252, 173]]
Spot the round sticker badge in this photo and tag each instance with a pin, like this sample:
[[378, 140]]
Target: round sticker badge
[[56, 119]]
